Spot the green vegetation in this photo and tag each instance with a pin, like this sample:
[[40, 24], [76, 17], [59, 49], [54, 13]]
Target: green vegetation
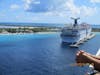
[[96, 30], [40, 29], [10, 30], [23, 29], [1, 30], [28, 29]]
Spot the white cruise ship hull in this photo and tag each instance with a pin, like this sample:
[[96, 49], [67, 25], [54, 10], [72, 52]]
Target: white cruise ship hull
[[80, 35]]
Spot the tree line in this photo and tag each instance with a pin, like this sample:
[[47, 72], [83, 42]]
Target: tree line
[[27, 30]]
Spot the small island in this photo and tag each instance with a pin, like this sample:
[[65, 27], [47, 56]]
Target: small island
[[27, 29], [7, 29]]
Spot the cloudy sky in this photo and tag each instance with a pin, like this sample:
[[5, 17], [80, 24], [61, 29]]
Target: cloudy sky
[[49, 11]]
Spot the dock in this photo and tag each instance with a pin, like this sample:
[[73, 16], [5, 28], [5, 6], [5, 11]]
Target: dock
[[91, 36], [76, 45]]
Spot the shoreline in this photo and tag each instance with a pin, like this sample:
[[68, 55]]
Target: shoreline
[[27, 33], [34, 33]]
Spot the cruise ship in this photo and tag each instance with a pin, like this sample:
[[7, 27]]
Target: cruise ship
[[74, 33]]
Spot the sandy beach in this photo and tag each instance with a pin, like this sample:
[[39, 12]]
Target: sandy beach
[[27, 33]]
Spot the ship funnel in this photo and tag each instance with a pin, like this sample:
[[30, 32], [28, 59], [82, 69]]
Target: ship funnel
[[75, 21]]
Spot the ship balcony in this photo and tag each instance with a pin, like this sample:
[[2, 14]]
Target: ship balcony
[[69, 35]]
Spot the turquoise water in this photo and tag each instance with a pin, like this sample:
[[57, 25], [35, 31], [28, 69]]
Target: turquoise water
[[41, 54]]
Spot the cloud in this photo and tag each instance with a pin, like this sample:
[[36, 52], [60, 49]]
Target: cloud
[[88, 11], [71, 7], [14, 6], [61, 8], [82, 10], [37, 5], [95, 1]]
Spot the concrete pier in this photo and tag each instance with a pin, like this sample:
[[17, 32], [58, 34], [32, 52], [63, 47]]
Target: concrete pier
[[76, 45]]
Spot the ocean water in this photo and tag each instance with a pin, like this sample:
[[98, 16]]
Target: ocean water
[[41, 54]]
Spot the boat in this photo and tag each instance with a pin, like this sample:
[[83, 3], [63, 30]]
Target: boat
[[74, 33]]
